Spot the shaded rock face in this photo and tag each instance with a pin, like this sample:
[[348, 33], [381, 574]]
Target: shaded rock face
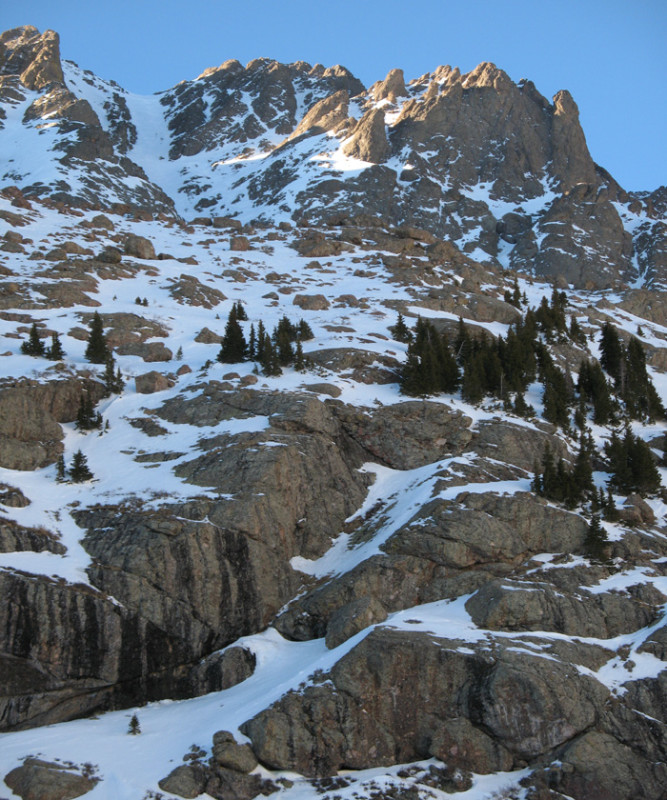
[[30, 436], [190, 578], [447, 550], [402, 696], [196, 125]]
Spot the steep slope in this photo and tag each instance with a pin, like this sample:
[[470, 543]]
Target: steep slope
[[473, 157], [359, 587]]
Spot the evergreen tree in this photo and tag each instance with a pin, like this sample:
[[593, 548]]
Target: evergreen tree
[[270, 363], [556, 397], [34, 346], [299, 360], [596, 540], [593, 388], [55, 352], [641, 399], [79, 471], [632, 464], [86, 418], [233, 348], [238, 312], [400, 330], [473, 381], [261, 342], [609, 507], [611, 353], [462, 343], [134, 728], [60, 469], [179, 354], [252, 343], [575, 333], [283, 336], [113, 380], [97, 349], [304, 331], [521, 408]]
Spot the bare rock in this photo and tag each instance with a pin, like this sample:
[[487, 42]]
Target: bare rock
[[187, 780], [102, 221], [206, 336], [391, 88], [12, 497], [488, 528], [191, 291], [239, 243], [46, 780], [148, 351], [598, 767], [408, 435], [228, 753], [226, 223], [368, 141], [352, 618], [398, 691], [520, 606], [110, 255], [30, 436], [34, 57], [139, 247], [151, 382], [15, 538], [327, 114], [311, 302]]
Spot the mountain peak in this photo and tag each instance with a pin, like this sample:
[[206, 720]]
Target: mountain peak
[[33, 57]]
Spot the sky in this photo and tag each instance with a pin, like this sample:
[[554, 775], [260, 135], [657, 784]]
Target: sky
[[610, 54]]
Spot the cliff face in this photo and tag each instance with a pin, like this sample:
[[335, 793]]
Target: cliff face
[[389, 549]]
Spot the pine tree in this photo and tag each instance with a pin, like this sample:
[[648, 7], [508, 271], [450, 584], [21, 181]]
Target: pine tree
[[400, 331], [86, 418], [304, 331], [239, 312], [134, 728], [596, 540], [113, 380], [233, 348], [252, 343], [611, 353], [270, 363], [55, 352], [79, 471], [34, 346], [261, 342], [60, 469], [179, 354], [299, 360], [97, 349], [283, 336]]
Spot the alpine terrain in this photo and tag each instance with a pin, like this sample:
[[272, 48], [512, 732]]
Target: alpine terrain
[[333, 441]]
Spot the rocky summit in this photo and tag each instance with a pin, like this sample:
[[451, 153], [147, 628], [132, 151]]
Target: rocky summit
[[333, 440]]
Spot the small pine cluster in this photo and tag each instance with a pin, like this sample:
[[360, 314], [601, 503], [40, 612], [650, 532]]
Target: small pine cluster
[[632, 464], [555, 481], [87, 419], [79, 472], [34, 346], [282, 348]]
